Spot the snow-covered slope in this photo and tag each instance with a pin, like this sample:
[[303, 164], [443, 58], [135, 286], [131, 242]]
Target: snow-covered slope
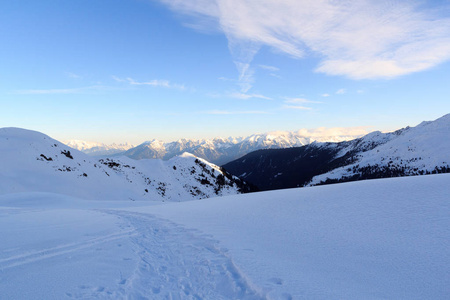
[[33, 162], [423, 149], [221, 151], [409, 151], [377, 239], [98, 149]]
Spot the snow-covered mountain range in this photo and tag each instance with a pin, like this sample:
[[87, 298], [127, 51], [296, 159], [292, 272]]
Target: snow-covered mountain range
[[98, 149], [34, 162], [423, 149], [220, 150]]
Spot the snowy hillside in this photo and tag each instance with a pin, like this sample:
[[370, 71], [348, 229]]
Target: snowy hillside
[[34, 162], [221, 151], [419, 150], [409, 151], [375, 239], [98, 149]]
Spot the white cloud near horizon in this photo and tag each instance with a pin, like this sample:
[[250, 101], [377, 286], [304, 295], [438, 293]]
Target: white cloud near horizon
[[366, 39], [334, 131]]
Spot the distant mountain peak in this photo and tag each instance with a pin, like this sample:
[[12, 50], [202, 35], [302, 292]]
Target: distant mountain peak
[[220, 150], [95, 148]]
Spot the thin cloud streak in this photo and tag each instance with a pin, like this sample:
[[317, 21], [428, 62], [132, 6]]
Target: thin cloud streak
[[248, 96], [365, 39], [270, 68], [61, 91], [155, 82], [299, 100], [296, 107], [226, 112], [73, 75], [275, 75]]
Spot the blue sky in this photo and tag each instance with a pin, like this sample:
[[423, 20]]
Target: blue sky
[[135, 70]]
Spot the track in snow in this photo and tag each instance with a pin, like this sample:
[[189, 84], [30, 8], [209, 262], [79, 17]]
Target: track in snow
[[175, 263], [34, 256]]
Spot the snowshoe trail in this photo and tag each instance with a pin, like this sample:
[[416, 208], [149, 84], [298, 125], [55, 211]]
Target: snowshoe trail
[[176, 263]]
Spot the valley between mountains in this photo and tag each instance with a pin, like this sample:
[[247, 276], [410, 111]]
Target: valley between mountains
[[75, 226]]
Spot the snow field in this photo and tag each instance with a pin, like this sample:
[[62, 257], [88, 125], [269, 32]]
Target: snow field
[[377, 239]]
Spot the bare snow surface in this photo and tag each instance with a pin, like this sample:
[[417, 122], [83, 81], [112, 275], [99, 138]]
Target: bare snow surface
[[378, 239]]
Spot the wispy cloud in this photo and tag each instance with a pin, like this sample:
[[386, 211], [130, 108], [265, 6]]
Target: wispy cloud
[[325, 95], [270, 68], [48, 91], [297, 107], [118, 79], [275, 75], [358, 39], [248, 96], [299, 100], [225, 79], [246, 76], [296, 103], [61, 91], [341, 92], [73, 75], [227, 112], [154, 82]]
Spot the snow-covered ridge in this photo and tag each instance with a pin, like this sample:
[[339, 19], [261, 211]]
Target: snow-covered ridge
[[423, 149], [34, 162], [409, 151]]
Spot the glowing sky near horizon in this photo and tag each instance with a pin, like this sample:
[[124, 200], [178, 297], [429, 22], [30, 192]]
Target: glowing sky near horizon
[[117, 71]]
